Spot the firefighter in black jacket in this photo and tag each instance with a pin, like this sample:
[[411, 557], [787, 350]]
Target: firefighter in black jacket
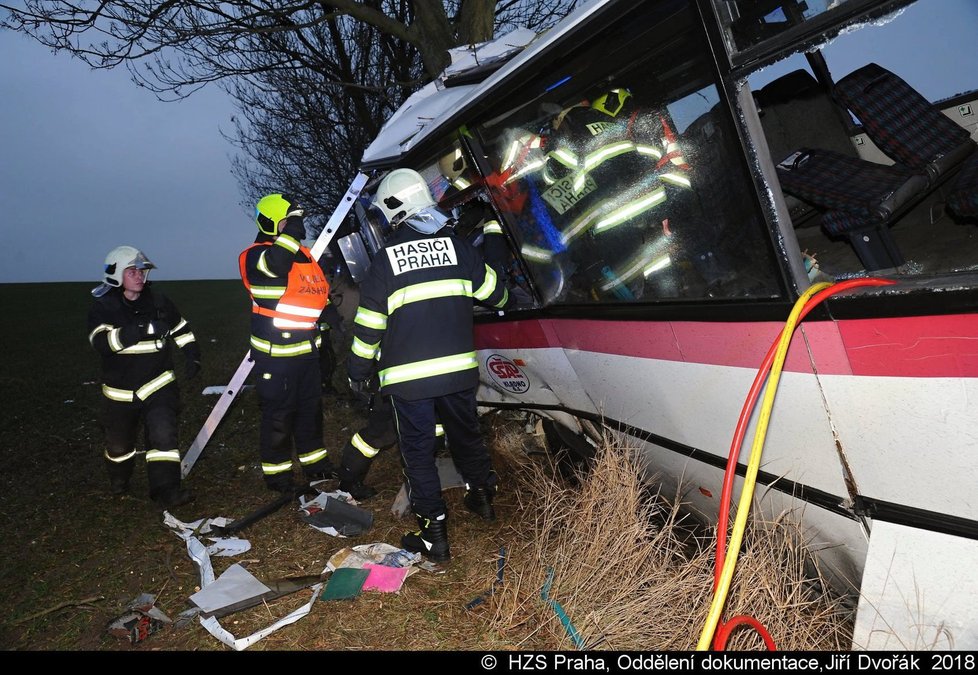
[[414, 329], [289, 292], [133, 327]]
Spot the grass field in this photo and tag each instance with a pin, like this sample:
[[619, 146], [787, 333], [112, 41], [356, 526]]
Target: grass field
[[74, 556]]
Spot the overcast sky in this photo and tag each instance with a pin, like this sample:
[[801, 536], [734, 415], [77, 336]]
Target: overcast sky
[[91, 162]]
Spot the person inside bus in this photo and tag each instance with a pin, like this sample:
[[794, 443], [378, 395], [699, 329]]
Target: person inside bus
[[616, 176]]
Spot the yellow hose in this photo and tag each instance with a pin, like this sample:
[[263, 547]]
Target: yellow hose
[[753, 465]]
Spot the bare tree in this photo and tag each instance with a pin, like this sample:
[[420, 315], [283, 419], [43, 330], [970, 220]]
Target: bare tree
[[313, 80]]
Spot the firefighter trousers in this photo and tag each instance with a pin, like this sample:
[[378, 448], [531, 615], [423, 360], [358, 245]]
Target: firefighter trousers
[[416, 422], [290, 399], [158, 416]]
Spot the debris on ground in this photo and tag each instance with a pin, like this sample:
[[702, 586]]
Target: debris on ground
[[141, 619]]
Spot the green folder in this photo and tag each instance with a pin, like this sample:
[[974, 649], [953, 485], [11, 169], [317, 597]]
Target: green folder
[[344, 584]]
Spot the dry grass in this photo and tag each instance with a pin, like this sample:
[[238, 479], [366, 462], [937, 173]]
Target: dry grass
[[631, 574]]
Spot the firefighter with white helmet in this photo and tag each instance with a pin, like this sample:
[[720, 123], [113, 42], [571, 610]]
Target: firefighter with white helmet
[[134, 328], [413, 330], [289, 292]]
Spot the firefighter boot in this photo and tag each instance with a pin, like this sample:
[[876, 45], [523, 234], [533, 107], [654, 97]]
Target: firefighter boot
[[479, 501], [431, 540], [354, 466]]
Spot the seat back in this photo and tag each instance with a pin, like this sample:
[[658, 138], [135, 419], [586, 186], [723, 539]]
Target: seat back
[[901, 122]]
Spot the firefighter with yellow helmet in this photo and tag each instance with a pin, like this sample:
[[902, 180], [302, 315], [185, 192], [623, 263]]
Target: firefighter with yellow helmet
[[289, 292]]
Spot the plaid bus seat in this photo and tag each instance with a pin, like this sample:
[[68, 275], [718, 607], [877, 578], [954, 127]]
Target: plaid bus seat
[[902, 123], [866, 191], [963, 198]]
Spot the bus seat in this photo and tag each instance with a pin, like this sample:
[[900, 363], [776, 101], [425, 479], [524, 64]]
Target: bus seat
[[855, 196], [963, 197], [902, 123], [797, 112]]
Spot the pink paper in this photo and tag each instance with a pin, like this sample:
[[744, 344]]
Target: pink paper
[[384, 579]]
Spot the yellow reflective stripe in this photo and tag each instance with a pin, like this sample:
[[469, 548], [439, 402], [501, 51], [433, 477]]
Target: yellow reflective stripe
[[565, 157], [313, 456], [428, 368], [272, 469], [119, 460], [263, 266], [630, 210], [294, 349], [162, 455], [115, 344], [582, 223], [144, 347], [365, 448], [675, 179], [364, 350], [598, 157], [298, 310], [287, 242], [283, 324], [267, 292], [648, 150], [370, 318], [439, 430], [185, 339], [492, 227], [488, 286], [504, 300], [154, 385], [102, 327], [528, 168], [124, 395], [429, 290], [179, 326], [536, 253], [656, 265]]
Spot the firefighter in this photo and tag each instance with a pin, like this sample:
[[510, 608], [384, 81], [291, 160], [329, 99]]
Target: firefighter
[[611, 168], [413, 329], [134, 328], [289, 292]]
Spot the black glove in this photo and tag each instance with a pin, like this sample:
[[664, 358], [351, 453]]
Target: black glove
[[295, 227], [363, 389], [191, 364]]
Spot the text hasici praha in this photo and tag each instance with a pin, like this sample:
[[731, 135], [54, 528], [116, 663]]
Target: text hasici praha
[[423, 254]]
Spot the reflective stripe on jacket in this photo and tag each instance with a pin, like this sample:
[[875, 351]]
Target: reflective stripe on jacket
[[414, 322]]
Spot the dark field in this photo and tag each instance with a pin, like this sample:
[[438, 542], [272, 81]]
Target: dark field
[[74, 556]]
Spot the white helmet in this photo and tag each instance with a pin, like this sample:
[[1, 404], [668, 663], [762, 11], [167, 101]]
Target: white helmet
[[402, 194], [120, 258], [116, 262]]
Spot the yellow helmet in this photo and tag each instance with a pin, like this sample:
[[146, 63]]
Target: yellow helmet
[[273, 208], [612, 102]]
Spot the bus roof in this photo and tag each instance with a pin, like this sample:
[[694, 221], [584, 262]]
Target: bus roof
[[436, 107]]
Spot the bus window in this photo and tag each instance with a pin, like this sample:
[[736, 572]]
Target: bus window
[[750, 22], [807, 105], [633, 189]]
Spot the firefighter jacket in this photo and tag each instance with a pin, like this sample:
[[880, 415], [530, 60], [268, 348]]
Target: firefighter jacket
[[136, 358], [415, 314], [289, 292], [606, 172]]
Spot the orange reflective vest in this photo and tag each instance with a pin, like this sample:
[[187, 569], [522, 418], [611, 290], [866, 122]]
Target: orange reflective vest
[[298, 304]]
